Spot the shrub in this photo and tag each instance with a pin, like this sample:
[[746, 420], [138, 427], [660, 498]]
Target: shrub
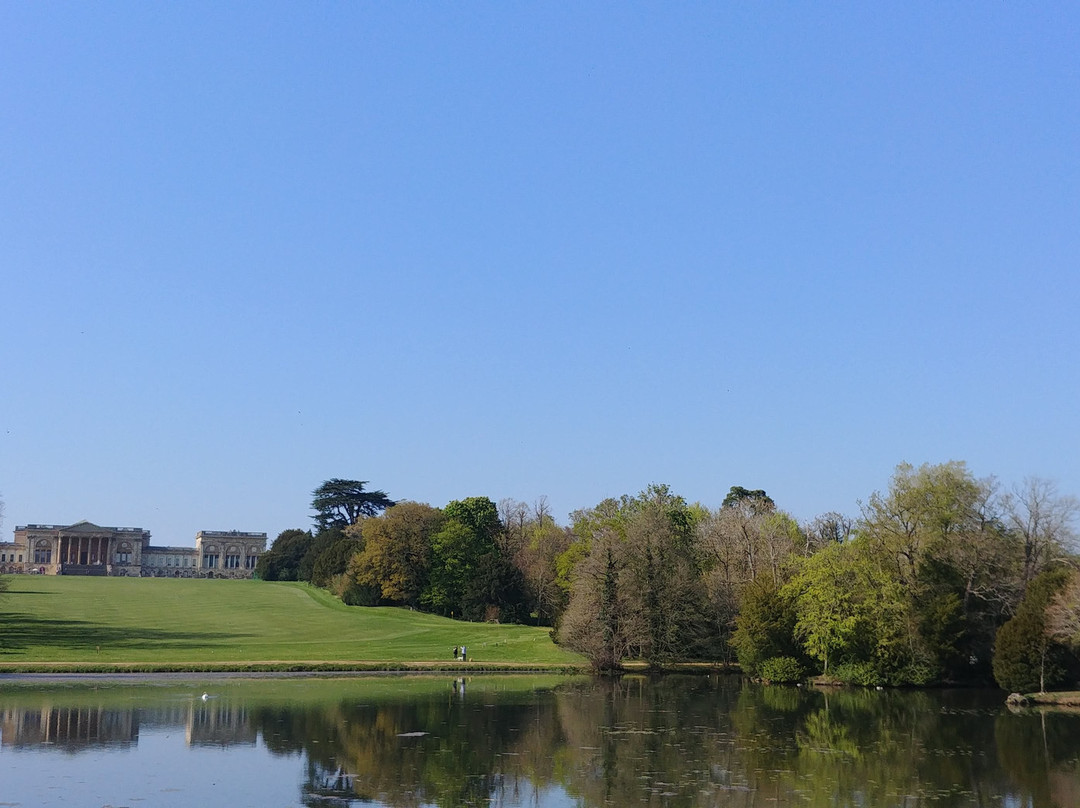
[[858, 673], [352, 593], [919, 674], [1020, 653], [781, 669]]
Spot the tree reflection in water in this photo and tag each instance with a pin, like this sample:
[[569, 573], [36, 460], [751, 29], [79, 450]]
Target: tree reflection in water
[[672, 741], [681, 741]]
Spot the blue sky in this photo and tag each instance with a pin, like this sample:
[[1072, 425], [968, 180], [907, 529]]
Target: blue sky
[[513, 250]]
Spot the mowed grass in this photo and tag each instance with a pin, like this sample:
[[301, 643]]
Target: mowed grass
[[172, 622]]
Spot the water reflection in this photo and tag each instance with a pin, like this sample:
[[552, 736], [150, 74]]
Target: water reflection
[[516, 741], [72, 729]]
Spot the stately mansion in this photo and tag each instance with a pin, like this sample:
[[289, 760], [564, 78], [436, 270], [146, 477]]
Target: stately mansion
[[88, 549]]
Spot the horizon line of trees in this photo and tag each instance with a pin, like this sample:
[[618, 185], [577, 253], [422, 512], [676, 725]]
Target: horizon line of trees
[[942, 578]]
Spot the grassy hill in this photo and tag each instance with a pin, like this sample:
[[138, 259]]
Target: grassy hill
[[169, 622]]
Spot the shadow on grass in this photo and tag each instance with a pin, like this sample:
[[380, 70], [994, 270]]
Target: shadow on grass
[[20, 631]]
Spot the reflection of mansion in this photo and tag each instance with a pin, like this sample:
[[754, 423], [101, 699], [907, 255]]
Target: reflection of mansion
[[76, 729], [88, 549]]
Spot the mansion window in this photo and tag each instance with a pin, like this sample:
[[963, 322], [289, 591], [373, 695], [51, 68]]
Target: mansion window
[[232, 562], [42, 556], [210, 560], [250, 562], [123, 558]]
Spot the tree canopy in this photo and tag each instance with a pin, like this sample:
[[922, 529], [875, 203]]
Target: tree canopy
[[339, 503]]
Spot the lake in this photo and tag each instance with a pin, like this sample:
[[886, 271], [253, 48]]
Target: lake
[[540, 741]]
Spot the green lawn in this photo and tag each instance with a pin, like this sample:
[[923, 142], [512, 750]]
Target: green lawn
[[175, 622]]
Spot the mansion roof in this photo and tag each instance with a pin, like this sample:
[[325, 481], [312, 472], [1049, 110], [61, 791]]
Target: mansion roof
[[83, 527]]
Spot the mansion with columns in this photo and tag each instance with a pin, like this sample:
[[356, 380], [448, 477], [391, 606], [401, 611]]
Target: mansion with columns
[[88, 549]]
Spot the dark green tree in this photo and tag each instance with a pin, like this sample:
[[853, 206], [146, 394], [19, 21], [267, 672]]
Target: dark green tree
[[1026, 658], [496, 591], [480, 515], [334, 560], [756, 501], [282, 561], [665, 573], [454, 554], [339, 503], [765, 627], [323, 541], [470, 575]]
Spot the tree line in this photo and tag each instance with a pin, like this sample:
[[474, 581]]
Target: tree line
[[942, 578], [471, 559]]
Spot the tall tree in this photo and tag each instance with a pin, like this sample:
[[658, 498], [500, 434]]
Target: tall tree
[[846, 607], [339, 503], [599, 620], [1044, 521], [923, 508], [749, 537], [397, 552], [471, 575], [637, 587], [764, 626], [545, 542], [939, 532], [665, 573], [827, 604]]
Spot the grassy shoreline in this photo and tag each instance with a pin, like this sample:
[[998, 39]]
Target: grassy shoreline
[[345, 668], [68, 668], [1057, 698]]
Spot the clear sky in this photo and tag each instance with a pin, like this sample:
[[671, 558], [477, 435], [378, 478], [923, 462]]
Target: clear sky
[[518, 249]]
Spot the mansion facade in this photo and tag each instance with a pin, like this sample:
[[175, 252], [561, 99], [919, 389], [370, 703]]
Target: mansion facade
[[88, 549]]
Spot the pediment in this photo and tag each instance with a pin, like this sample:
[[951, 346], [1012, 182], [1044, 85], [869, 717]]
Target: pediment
[[85, 527]]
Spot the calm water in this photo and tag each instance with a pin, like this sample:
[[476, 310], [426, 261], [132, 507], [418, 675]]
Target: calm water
[[526, 741]]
